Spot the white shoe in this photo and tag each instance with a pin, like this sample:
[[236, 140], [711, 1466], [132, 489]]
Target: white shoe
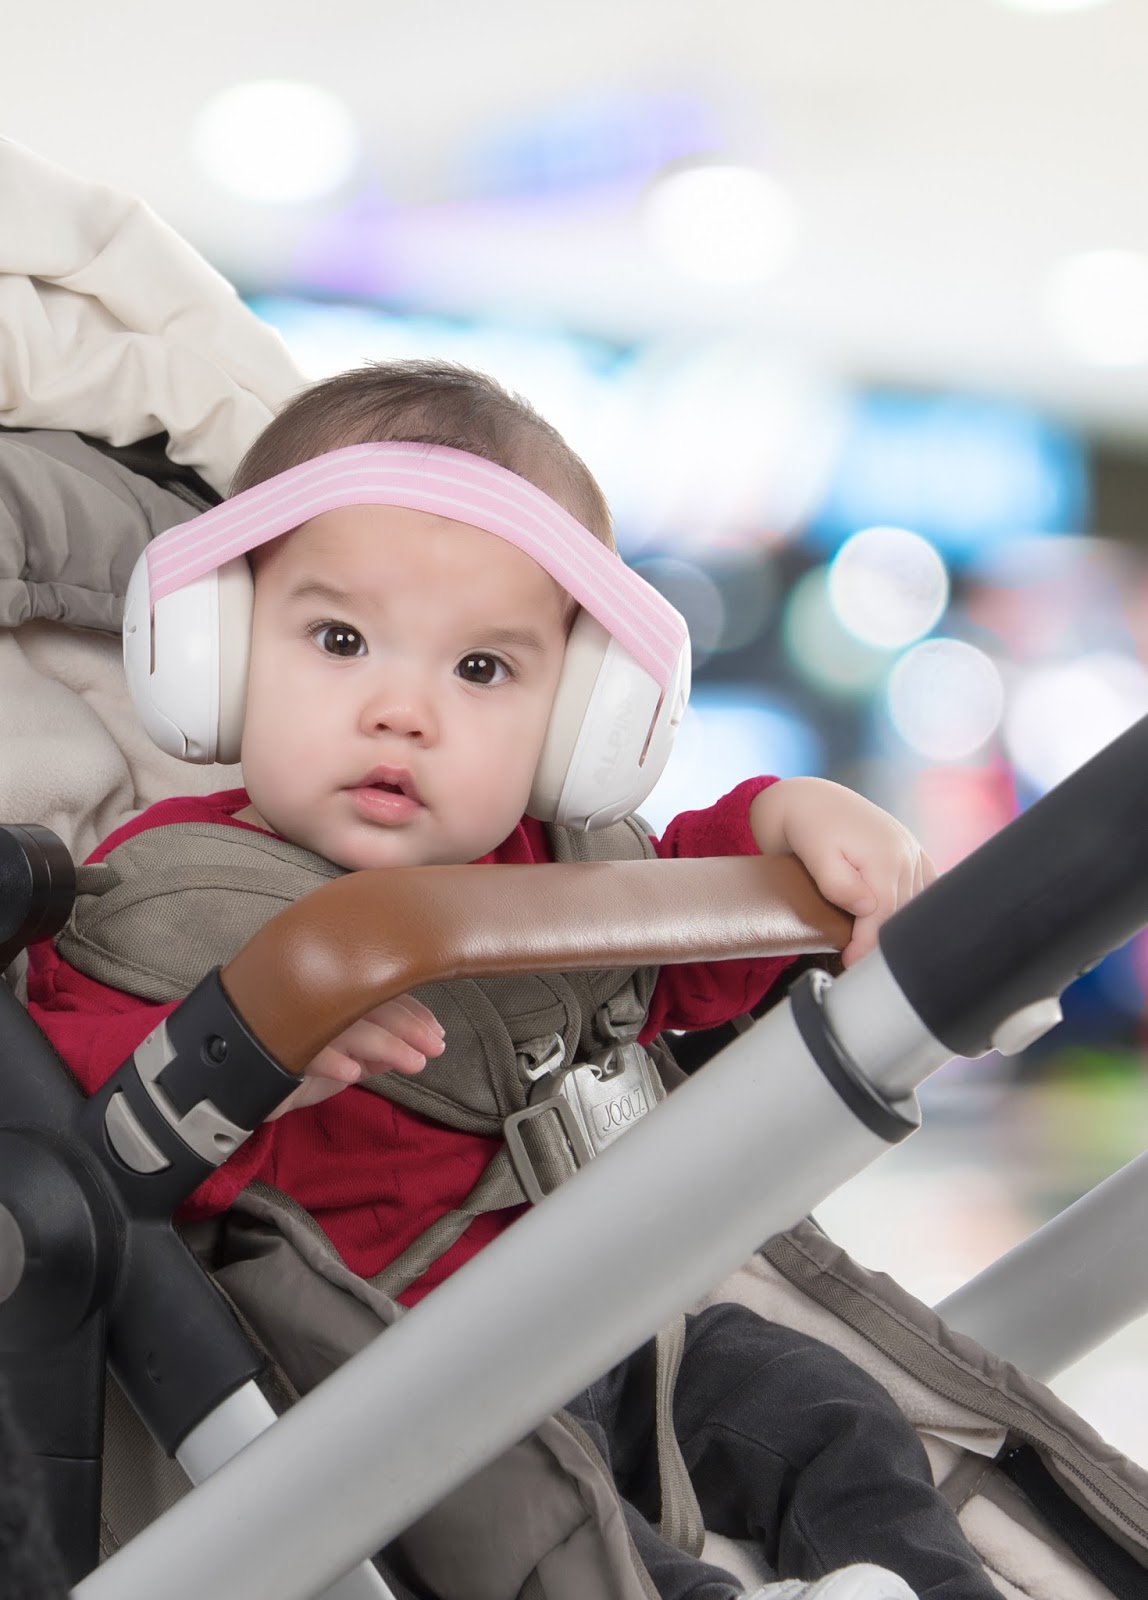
[[861, 1582]]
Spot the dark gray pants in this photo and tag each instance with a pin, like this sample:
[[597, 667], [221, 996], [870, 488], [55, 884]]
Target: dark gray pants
[[790, 1444]]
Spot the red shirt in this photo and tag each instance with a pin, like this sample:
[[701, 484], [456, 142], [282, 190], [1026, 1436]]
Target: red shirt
[[373, 1174]]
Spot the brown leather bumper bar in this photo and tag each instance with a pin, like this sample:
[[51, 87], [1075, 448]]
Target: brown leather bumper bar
[[322, 963]]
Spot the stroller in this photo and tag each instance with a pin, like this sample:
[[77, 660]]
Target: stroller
[[1054, 1513]]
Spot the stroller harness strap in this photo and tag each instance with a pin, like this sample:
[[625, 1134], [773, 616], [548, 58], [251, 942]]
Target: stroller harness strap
[[168, 906], [526, 1055]]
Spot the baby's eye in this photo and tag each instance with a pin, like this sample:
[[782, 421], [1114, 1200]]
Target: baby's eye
[[482, 669], [338, 639]]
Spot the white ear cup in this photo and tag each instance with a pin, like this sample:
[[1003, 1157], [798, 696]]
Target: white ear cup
[[186, 661], [610, 732]]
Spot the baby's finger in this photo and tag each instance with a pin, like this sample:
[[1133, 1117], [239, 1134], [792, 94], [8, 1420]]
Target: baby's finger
[[381, 1049], [406, 1003], [863, 940], [890, 884], [335, 1064], [412, 1022], [841, 881]]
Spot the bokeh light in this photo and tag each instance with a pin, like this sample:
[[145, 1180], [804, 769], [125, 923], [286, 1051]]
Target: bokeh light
[[945, 699], [1061, 714], [726, 603], [888, 586], [720, 224], [275, 140], [693, 593], [821, 648]]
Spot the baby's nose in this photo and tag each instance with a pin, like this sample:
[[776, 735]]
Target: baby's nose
[[407, 713]]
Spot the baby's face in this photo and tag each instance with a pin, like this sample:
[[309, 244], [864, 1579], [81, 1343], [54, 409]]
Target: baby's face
[[403, 667]]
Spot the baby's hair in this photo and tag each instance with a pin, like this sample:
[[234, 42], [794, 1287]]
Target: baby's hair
[[428, 402]]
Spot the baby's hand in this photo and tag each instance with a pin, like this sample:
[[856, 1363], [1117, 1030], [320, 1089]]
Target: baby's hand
[[397, 1036], [859, 856]]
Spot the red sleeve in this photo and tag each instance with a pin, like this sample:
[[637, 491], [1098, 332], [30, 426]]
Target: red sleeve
[[705, 994]]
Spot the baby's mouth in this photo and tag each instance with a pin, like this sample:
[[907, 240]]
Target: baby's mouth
[[387, 795], [390, 780]]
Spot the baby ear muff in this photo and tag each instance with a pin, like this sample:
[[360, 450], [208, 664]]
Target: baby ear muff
[[609, 736], [610, 732], [186, 660]]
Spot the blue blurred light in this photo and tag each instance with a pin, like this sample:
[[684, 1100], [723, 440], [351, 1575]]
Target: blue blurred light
[[730, 734], [961, 471], [598, 138], [1120, 980]]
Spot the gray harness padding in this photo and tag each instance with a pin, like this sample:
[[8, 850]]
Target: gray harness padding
[[173, 903]]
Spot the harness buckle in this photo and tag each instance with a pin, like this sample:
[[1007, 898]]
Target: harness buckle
[[595, 1101], [610, 1092]]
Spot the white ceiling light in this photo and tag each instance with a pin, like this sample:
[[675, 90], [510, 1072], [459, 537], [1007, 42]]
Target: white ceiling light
[[1097, 304], [275, 140], [1050, 6], [720, 224]]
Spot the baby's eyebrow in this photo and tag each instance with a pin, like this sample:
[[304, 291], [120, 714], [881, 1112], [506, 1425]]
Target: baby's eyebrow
[[513, 638], [316, 589]]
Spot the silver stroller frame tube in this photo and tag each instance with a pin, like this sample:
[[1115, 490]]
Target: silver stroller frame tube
[[242, 1417], [750, 1145], [1070, 1285]]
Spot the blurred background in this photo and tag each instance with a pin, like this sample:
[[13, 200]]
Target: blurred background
[[845, 302]]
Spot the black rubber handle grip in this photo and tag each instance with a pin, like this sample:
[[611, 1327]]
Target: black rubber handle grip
[[1038, 904]]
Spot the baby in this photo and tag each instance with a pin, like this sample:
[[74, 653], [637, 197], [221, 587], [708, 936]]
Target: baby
[[404, 665]]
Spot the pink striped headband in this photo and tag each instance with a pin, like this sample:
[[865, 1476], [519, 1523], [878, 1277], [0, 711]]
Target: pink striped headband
[[446, 483]]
